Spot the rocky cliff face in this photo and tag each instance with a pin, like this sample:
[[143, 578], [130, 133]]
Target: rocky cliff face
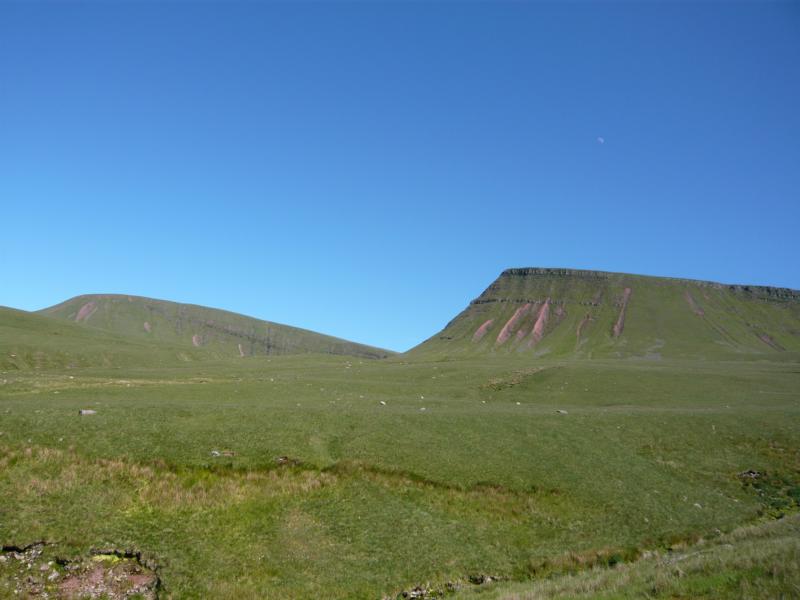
[[569, 312]]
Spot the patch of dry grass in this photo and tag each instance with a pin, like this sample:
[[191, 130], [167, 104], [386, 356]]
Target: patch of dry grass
[[43, 472]]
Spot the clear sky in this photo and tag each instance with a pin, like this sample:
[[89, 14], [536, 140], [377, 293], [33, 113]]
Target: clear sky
[[365, 169]]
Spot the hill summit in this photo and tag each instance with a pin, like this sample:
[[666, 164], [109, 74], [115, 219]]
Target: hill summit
[[568, 312], [218, 331]]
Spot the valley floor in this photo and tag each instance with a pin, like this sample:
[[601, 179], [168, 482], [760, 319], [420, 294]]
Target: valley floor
[[329, 477]]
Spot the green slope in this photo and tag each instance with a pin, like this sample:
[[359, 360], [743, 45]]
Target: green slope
[[563, 312], [319, 476], [756, 561], [29, 340], [223, 333]]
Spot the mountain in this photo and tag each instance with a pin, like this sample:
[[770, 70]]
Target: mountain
[[29, 340], [220, 332], [576, 313]]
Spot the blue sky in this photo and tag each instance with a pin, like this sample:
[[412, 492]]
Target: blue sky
[[365, 169]]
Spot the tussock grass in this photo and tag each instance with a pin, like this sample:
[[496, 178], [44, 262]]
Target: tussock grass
[[758, 561], [384, 496]]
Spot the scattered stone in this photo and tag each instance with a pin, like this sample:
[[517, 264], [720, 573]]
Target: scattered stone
[[482, 579], [86, 411], [697, 505], [423, 408], [418, 592], [425, 592], [110, 574]]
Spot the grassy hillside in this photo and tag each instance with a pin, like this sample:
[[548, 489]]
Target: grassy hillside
[[562, 312], [30, 340], [467, 467], [222, 332]]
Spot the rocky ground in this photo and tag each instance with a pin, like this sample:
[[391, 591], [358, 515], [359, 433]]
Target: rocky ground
[[37, 571]]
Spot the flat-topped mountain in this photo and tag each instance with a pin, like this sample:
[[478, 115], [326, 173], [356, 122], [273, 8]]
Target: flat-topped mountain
[[221, 332], [580, 313]]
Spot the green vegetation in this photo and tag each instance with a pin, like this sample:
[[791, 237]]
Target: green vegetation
[[221, 332], [387, 497], [589, 314], [760, 561], [330, 476], [32, 341]]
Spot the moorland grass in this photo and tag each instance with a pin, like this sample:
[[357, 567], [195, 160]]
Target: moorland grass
[[378, 498], [753, 562]]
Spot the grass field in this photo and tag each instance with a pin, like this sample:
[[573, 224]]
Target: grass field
[[405, 472], [569, 434], [759, 561]]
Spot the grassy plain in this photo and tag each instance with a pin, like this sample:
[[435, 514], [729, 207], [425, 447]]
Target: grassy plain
[[401, 472]]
